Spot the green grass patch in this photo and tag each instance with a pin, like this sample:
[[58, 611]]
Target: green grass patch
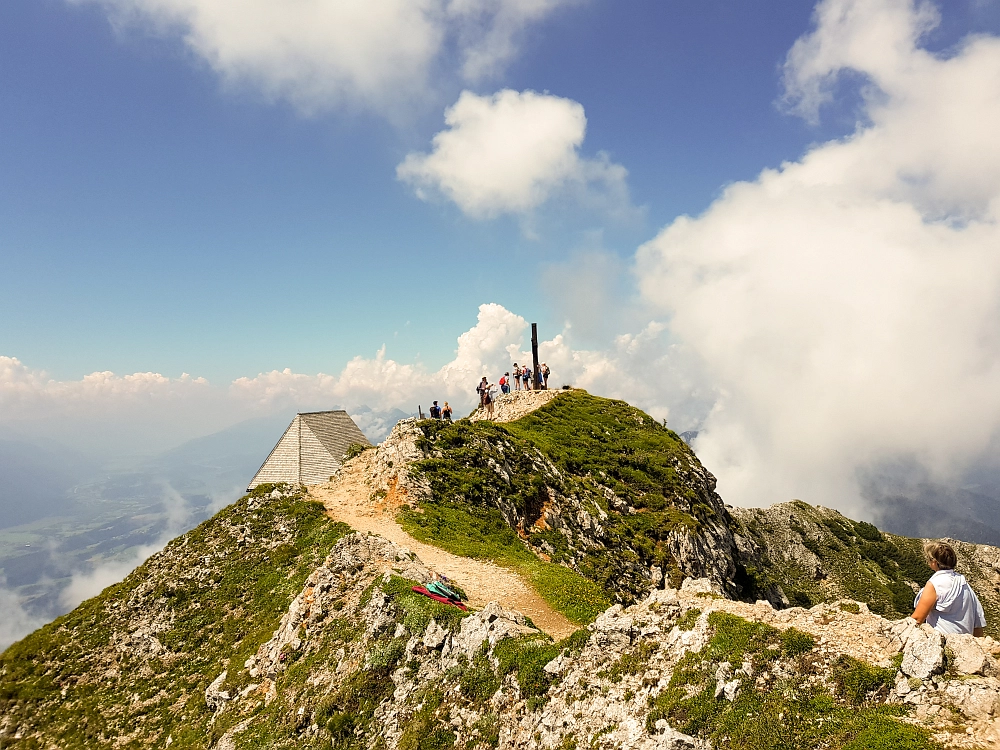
[[858, 682], [689, 619], [631, 662], [418, 609], [526, 658], [489, 479], [482, 534]]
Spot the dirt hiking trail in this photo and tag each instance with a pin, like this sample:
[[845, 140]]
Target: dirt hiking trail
[[348, 498]]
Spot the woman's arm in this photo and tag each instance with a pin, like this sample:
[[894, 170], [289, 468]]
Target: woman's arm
[[928, 598]]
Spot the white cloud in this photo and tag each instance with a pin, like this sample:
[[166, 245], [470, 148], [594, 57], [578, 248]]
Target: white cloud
[[104, 408], [383, 383], [323, 53], [847, 305], [490, 31], [510, 153], [89, 583], [17, 621], [147, 411]]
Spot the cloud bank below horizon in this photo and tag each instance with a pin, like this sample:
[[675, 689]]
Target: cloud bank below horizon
[[155, 412]]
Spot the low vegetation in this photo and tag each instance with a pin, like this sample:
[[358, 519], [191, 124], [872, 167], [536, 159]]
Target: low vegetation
[[785, 707], [208, 600], [482, 533], [494, 485], [855, 560]]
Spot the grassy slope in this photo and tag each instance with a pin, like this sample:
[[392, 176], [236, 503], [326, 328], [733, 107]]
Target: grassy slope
[[78, 677], [858, 561], [577, 445]]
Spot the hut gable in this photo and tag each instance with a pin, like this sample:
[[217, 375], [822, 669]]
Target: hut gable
[[311, 449]]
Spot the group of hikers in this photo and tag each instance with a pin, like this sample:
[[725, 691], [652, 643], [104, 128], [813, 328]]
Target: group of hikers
[[522, 380], [522, 375]]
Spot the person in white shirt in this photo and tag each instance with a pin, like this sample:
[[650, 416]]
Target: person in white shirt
[[947, 603]]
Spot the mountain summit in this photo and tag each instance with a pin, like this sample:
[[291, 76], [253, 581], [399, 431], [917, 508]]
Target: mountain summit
[[299, 617]]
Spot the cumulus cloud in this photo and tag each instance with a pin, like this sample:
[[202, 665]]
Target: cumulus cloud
[[323, 53], [646, 368], [847, 305], [380, 382], [510, 153]]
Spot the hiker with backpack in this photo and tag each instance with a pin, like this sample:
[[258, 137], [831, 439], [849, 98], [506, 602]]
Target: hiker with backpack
[[545, 376], [526, 377], [483, 389], [491, 396], [505, 383], [517, 377], [435, 411]]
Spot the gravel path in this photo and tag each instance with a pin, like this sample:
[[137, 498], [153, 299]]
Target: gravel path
[[348, 498]]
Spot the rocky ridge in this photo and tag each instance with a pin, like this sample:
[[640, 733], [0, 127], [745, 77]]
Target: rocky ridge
[[272, 626], [592, 484], [808, 555], [509, 407], [489, 679]]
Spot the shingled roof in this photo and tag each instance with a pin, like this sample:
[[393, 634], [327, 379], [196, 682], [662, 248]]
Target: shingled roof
[[311, 450]]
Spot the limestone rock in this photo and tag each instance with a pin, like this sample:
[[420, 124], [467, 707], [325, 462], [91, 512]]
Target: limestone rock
[[692, 586], [215, 697], [434, 636], [977, 699], [922, 647], [668, 738], [964, 654], [490, 625]]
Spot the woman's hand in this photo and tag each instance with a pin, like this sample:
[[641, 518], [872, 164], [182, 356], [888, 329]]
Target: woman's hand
[[928, 598]]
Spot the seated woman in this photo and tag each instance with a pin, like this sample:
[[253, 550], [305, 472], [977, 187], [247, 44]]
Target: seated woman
[[947, 603]]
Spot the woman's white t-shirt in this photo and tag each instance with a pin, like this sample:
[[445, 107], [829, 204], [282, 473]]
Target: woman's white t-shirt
[[957, 609]]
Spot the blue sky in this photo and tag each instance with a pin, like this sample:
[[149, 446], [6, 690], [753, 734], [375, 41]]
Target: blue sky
[[258, 194], [152, 218]]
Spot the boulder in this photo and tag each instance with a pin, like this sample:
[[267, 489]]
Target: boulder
[[922, 647], [964, 654], [215, 697], [977, 698], [692, 586], [491, 624], [435, 635]]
